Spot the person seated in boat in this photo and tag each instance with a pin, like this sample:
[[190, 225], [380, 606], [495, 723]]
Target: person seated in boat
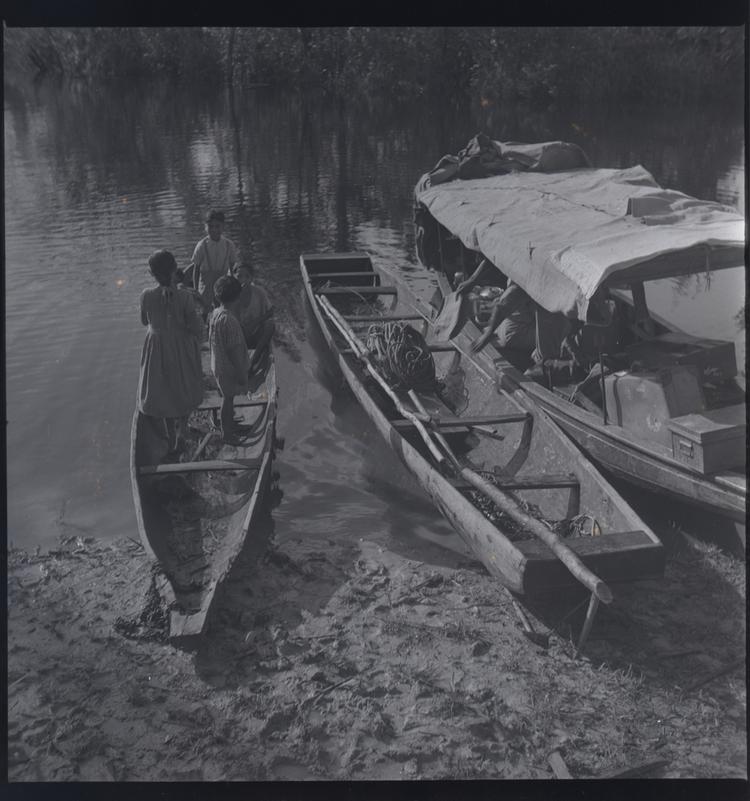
[[255, 315], [230, 360], [170, 384], [593, 346], [526, 332], [513, 316], [214, 256]]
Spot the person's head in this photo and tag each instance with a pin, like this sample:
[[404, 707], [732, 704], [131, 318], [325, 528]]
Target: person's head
[[243, 273], [179, 276], [215, 224], [162, 265], [227, 289]]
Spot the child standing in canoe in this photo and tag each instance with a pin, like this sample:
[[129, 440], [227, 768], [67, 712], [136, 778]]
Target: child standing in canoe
[[214, 256], [171, 379], [230, 361]]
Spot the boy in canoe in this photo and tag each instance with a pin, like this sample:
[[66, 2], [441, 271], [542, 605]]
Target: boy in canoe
[[255, 315], [230, 361], [214, 256]]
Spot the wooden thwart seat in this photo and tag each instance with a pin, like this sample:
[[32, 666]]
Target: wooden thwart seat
[[358, 290], [213, 400], [442, 347], [444, 422], [198, 467], [381, 318], [327, 276], [527, 482], [446, 348]]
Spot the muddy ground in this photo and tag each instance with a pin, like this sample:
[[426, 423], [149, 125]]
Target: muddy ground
[[353, 662]]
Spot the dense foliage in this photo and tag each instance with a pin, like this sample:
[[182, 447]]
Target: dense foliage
[[481, 64]]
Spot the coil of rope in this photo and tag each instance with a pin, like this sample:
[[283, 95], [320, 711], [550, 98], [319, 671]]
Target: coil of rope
[[402, 355]]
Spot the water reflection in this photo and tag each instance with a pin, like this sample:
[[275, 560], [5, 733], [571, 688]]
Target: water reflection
[[97, 178]]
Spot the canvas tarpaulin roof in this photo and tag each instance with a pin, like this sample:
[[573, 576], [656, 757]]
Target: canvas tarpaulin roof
[[562, 235]]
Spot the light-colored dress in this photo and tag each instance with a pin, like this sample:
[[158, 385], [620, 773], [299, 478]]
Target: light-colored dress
[[171, 380], [213, 258], [225, 332]]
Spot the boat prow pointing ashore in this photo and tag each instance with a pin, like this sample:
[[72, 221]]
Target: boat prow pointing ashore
[[194, 515]]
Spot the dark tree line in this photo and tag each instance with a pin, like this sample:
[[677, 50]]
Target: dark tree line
[[660, 64]]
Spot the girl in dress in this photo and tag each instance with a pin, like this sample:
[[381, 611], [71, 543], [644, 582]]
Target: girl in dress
[[171, 380]]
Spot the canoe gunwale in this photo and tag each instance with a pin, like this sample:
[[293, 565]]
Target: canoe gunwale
[[186, 625], [508, 563]]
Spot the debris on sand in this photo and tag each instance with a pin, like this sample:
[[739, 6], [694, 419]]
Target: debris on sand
[[355, 662]]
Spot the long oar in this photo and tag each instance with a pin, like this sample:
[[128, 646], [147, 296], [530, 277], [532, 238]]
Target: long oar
[[513, 509], [360, 350], [598, 588]]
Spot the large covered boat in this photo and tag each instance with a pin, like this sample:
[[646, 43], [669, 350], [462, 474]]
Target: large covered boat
[[669, 416]]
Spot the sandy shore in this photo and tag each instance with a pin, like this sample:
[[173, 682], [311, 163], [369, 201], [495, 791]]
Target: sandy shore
[[331, 661]]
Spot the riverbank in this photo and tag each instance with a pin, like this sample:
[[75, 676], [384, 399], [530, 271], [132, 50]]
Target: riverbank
[[353, 662]]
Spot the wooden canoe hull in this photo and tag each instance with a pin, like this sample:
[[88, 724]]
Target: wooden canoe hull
[[526, 567], [644, 464], [194, 522]]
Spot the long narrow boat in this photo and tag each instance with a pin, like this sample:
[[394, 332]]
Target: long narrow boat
[[492, 461], [567, 232], [194, 514]]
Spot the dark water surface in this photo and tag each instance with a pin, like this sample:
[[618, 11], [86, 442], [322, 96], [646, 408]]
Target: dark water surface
[[97, 180]]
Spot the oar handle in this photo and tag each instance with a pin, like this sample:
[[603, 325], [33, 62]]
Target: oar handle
[[567, 556]]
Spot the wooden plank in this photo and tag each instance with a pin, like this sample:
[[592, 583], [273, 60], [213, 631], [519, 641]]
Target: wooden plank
[[354, 255], [382, 318], [213, 400], [617, 542], [559, 768], [359, 290], [360, 274], [528, 482], [447, 430], [198, 467], [621, 556], [441, 422], [449, 347]]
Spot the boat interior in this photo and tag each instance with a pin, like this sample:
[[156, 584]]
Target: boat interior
[[488, 430], [677, 392], [196, 504]]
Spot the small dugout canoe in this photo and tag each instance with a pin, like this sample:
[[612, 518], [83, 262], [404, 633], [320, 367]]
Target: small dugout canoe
[[498, 468], [195, 513]]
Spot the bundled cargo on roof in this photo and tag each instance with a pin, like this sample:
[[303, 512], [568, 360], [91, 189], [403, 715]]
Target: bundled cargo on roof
[[562, 229]]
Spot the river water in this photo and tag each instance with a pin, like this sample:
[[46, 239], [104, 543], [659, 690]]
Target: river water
[[97, 179]]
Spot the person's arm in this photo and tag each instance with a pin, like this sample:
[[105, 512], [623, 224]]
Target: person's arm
[[513, 298], [469, 282]]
